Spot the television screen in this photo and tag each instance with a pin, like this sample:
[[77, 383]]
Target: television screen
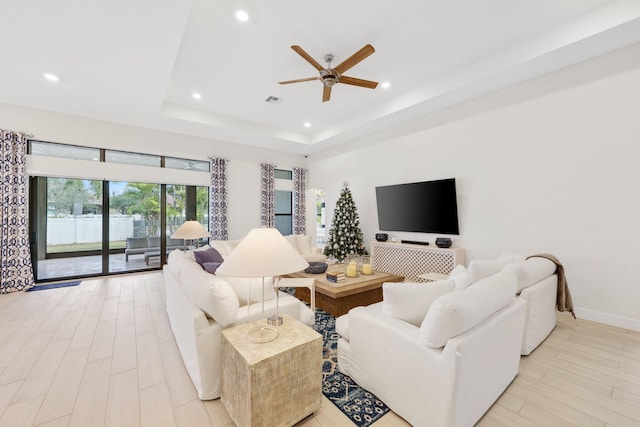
[[421, 207]]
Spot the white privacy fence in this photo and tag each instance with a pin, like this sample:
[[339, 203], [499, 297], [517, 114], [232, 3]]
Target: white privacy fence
[[87, 229]]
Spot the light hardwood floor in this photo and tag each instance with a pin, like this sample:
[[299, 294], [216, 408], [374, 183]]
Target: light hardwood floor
[[102, 354]]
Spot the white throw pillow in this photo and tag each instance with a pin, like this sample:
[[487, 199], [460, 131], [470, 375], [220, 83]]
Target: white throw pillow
[[410, 301], [243, 286], [304, 244], [460, 276], [479, 269], [531, 271], [457, 312], [220, 246], [211, 294], [177, 261]]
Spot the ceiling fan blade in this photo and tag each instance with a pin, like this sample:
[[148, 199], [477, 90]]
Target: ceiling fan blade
[[307, 57], [355, 58], [326, 94], [308, 79], [358, 82]]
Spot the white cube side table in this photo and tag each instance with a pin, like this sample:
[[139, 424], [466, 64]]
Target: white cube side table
[[277, 383]]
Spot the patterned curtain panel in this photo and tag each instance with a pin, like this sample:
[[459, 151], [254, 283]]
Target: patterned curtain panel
[[218, 225], [17, 272], [268, 213], [299, 201]]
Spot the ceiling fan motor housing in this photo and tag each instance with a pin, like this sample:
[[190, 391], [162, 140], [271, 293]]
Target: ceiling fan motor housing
[[330, 77]]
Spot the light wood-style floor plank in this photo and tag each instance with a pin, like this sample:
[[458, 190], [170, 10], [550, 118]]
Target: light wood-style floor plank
[[103, 354]]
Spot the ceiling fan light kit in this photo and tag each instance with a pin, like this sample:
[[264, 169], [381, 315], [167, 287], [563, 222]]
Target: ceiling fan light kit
[[332, 76]]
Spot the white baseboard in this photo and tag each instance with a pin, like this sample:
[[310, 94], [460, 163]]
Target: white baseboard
[[608, 319]]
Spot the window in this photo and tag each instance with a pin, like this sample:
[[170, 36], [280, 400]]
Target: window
[[50, 149], [284, 211], [283, 200], [186, 164], [131, 158]]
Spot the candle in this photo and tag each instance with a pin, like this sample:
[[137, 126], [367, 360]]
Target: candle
[[366, 269], [351, 269]]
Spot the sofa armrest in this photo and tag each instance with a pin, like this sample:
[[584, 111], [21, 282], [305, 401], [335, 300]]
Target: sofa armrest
[[541, 312]]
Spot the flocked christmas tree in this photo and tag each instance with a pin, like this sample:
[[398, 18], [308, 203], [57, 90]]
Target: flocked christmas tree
[[345, 236]]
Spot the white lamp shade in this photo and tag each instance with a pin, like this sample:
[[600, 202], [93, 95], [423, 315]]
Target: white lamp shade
[[264, 252], [190, 230]]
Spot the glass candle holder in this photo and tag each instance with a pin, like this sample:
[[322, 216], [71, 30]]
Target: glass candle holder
[[353, 265], [367, 268]]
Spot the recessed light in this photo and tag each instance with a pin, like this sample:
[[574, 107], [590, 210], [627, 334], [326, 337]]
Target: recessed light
[[242, 16], [307, 124], [196, 95], [385, 85], [51, 77]]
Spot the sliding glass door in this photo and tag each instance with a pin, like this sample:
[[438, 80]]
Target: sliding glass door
[[134, 226], [69, 236], [68, 227]]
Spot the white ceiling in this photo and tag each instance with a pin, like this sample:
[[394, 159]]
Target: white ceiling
[[139, 61]]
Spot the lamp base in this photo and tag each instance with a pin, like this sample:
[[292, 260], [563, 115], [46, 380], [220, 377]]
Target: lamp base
[[262, 334], [274, 320]]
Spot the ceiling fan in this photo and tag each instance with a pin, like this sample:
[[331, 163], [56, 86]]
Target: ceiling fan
[[331, 76]]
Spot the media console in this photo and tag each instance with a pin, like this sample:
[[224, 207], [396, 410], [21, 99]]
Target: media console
[[411, 261]]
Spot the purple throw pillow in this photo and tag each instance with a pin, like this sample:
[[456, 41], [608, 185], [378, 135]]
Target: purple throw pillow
[[210, 255], [211, 267]]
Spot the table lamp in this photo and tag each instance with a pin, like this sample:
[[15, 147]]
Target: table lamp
[[264, 252], [190, 230]]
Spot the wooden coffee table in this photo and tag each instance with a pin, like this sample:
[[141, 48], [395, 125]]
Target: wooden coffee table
[[339, 298]]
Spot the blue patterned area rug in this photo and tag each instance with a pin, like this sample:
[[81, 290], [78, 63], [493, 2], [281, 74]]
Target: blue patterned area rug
[[53, 286], [361, 406]]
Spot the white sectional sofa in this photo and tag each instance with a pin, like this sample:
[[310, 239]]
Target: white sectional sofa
[[448, 370], [200, 305], [440, 354], [302, 243]]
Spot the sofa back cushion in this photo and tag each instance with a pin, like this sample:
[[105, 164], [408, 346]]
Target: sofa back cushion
[[460, 277], [211, 294], [481, 268], [456, 312], [411, 301], [177, 261], [531, 271], [220, 246]]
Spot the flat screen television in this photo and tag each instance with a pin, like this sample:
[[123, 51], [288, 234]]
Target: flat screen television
[[421, 207]]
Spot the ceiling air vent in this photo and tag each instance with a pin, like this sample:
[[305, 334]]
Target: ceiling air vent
[[273, 100]]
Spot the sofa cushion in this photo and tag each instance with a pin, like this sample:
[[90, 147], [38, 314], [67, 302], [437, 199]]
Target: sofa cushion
[[212, 294], [220, 246], [208, 255], [460, 276], [211, 267], [479, 269], [531, 271], [304, 244], [154, 242], [457, 312], [177, 261], [410, 301]]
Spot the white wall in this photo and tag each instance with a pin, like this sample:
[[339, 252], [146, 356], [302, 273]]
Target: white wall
[[548, 166], [243, 167]]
